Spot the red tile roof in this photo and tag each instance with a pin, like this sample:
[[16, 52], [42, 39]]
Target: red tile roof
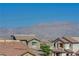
[[12, 48]]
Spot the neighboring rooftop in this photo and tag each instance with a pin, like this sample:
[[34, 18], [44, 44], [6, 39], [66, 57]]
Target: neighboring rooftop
[[61, 39], [72, 39], [68, 39], [24, 34], [12, 48], [15, 48], [68, 50], [58, 50], [76, 38], [24, 37], [77, 52]]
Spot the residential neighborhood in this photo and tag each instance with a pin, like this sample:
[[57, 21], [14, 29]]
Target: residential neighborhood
[[30, 45]]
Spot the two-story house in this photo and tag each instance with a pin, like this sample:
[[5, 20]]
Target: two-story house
[[75, 43], [65, 46], [30, 40], [15, 48]]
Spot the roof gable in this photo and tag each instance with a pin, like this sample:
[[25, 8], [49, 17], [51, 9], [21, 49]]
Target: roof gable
[[28, 53], [62, 40], [25, 37], [34, 39]]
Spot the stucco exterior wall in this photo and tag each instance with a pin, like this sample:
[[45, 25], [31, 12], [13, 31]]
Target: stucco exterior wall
[[36, 46], [67, 46], [51, 45], [75, 47]]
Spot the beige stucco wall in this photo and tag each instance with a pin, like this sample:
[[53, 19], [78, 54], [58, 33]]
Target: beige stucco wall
[[75, 47], [36, 46], [51, 45], [67, 46]]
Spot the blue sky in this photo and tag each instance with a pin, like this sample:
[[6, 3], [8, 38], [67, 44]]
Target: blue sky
[[18, 15]]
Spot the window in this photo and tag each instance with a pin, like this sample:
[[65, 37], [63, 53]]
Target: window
[[54, 44], [71, 47], [33, 43], [61, 45]]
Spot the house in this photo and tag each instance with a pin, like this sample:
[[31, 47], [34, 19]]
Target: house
[[63, 46], [74, 43], [23, 38], [15, 48], [31, 40], [34, 44], [29, 45]]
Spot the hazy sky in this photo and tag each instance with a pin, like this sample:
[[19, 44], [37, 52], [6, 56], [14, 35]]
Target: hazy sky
[[16, 15]]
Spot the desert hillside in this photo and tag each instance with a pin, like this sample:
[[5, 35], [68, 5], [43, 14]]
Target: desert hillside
[[45, 31]]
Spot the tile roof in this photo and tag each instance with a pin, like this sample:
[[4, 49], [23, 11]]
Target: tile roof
[[44, 42], [61, 39], [76, 38], [69, 51], [71, 39], [77, 52], [15, 48], [25, 37], [32, 51], [67, 39], [62, 50], [12, 48], [58, 50]]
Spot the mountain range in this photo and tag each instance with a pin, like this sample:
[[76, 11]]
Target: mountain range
[[45, 31]]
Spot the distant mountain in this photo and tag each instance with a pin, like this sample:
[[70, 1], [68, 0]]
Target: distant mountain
[[46, 31]]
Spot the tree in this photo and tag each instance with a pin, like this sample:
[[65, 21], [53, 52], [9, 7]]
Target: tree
[[46, 49]]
